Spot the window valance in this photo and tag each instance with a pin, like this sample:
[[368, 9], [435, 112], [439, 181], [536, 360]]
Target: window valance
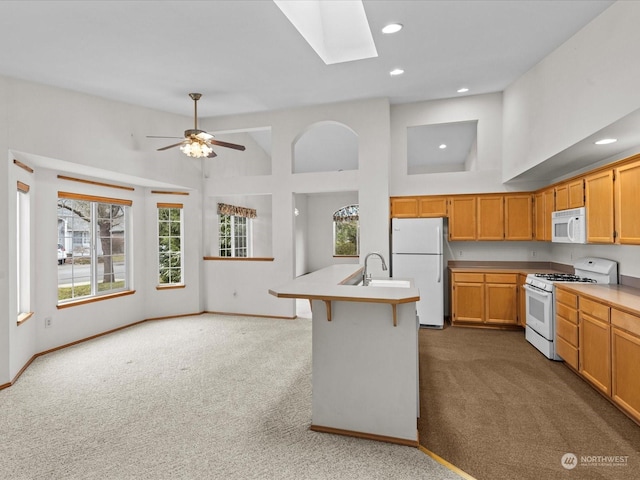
[[225, 209]]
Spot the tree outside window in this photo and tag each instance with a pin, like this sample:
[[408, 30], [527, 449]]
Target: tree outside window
[[346, 231]]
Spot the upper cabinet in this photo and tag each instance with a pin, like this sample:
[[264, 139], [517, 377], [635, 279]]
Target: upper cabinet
[[569, 194], [518, 216], [415, 207], [599, 193], [627, 203], [462, 217], [544, 207], [404, 207], [490, 217]]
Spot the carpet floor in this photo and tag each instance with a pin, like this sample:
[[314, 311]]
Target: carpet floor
[[206, 397], [495, 407]]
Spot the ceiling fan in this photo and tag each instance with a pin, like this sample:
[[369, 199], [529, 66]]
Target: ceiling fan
[[198, 143]]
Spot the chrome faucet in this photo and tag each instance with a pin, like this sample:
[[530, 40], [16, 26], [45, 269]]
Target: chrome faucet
[[366, 277]]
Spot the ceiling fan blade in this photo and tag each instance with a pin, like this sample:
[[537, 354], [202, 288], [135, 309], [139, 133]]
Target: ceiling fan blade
[[212, 154], [170, 146], [157, 136], [235, 146]]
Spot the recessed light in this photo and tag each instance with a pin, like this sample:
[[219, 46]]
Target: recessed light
[[442, 147], [392, 28], [396, 71], [606, 141], [463, 90]]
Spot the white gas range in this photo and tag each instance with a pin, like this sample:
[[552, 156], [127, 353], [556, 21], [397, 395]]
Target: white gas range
[[540, 330]]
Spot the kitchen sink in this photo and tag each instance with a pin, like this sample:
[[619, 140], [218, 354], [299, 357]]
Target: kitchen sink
[[389, 282]]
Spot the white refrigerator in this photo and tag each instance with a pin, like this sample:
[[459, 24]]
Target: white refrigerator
[[416, 252]]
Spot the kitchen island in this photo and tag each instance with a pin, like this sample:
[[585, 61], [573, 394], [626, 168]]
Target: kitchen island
[[365, 354]]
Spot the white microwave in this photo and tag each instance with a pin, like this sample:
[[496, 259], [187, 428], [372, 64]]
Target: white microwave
[[569, 226]]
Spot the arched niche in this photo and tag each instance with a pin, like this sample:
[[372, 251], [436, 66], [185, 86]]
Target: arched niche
[[325, 147]]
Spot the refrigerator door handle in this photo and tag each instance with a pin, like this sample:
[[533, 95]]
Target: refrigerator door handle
[[440, 252]]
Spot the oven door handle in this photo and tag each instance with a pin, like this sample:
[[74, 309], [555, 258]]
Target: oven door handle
[[537, 291]]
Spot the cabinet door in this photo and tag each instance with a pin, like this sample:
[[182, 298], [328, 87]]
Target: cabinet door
[[501, 303], [404, 207], [562, 196], [468, 302], [625, 361], [549, 208], [576, 193], [599, 193], [462, 218], [518, 217], [595, 352], [491, 217], [432, 206], [627, 203], [538, 214], [522, 301]]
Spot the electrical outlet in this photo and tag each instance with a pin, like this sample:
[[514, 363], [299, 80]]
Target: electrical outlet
[[533, 253], [460, 254], [47, 322]]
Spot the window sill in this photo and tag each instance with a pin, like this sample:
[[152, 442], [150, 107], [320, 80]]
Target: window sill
[[346, 256], [169, 287], [95, 299], [241, 259], [23, 317]]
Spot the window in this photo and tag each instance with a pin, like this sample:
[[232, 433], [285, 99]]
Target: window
[[170, 244], [234, 230], [93, 232], [23, 249], [346, 231]]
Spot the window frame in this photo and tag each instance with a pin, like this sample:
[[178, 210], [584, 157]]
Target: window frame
[[170, 206], [234, 224], [23, 253], [347, 211], [95, 292]]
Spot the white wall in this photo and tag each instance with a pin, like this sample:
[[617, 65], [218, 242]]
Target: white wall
[[242, 287], [588, 83], [321, 208], [56, 131]]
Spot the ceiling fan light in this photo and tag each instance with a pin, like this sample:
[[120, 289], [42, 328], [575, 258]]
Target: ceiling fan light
[[196, 149]]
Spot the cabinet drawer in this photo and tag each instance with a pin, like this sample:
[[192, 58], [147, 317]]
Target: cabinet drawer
[[567, 330], [626, 321], [567, 298], [568, 352], [594, 309], [468, 277], [569, 314], [501, 277]]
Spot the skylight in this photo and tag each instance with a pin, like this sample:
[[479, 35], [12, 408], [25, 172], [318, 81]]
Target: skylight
[[337, 30]]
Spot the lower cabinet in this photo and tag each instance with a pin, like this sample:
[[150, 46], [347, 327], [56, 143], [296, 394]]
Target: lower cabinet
[[602, 343], [625, 361], [484, 299]]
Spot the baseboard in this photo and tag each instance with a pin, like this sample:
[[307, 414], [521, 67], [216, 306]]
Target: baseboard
[[368, 436], [250, 315]]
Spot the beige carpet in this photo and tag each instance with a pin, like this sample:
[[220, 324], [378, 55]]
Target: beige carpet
[[495, 407], [207, 397]]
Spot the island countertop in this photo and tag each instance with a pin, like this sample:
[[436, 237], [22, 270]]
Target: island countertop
[[338, 283]]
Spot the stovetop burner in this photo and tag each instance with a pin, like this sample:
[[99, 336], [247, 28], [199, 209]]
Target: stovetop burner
[[564, 277]]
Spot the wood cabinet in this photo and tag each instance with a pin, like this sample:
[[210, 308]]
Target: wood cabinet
[[544, 206], [484, 299], [627, 203], [490, 217], [467, 298], [599, 205], [435, 206], [404, 207], [522, 300], [595, 344], [462, 217], [569, 195], [625, 361], [501, 298], [518, 217], [567, 327]]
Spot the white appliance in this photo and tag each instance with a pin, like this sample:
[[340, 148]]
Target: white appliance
[[416, 252], [540, 292], [569, 226]]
